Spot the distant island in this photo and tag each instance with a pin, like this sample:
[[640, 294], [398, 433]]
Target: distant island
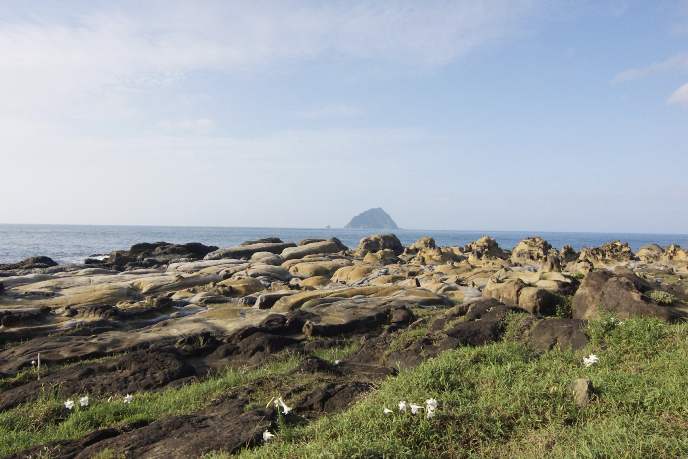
[[372, 219]]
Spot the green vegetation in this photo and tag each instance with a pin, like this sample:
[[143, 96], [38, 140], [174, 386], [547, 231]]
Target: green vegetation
[[578, 276], [661, 297], [564, 307], [47, 419], [501, 400], [504, 400], [337, 353]]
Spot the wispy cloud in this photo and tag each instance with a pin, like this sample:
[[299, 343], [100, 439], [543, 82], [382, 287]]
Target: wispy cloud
[[54, 58], [676, 62], [680, 96]]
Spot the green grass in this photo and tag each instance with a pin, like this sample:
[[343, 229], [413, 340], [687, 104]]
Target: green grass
[[501, 400], [47, 420], [504, 400], [337, 353]]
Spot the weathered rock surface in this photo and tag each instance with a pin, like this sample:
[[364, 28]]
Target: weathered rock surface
[[247, 251], [177, 313], [619, 295]]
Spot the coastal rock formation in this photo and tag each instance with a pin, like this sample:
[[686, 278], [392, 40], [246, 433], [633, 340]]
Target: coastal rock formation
[[372, 219], [381, 242], [170, 315], [619, 295], [530, 251]]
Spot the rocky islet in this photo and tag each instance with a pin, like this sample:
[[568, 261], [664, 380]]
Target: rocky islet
[[171, 314]]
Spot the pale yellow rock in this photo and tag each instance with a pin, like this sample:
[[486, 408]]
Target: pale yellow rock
[[316, 282], [321, 268], [389, 279], [380, 257], [243, 286], [293, 302], [349, 274], [309, 249]]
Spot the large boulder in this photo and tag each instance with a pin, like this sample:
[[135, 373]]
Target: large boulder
[[515, 292], [379, 242], [314, 248], [531, 250], [247, 250], [564, 333], [610, 253], [319, 268], [650, 253], [618, 295], [30, 263], [420, 244], [484, 248]]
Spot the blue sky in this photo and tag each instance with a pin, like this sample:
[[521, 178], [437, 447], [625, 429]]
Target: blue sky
[[503, 115]]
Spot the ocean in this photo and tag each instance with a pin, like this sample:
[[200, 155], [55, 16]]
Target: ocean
[[74, 243]]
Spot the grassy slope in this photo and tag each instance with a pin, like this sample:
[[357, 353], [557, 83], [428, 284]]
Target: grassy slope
[[498, 400], [506, 401]]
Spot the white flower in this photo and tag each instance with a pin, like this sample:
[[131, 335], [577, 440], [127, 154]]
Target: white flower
[[387, 411], [402, 405], [33, 362], [590, 360], [69, 404], [431, 403], [285, 408], [128, 398], [336, 362], [267, 435], [83, 401], [430, 413], [415, 408]]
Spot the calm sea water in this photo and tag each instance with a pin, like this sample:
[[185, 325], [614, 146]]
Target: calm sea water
[[73, 243]]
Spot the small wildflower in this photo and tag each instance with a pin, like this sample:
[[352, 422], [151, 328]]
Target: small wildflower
[[430, 413], [402, 405], [336, 362], [431, 403], [33, 362], [387, 411], [128, 398], [590, 360], [267, 435], [69, 404], [83, 401], [285, 408], [415, 408]]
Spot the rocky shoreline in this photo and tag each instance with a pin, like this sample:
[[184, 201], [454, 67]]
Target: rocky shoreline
[[172, 314]]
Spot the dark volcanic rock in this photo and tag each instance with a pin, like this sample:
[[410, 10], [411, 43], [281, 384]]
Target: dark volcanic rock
[[372, 219], [150, 255], [563, 332], [138, 371], [227, 429], [332, 398], [30, 263], [618, 295]]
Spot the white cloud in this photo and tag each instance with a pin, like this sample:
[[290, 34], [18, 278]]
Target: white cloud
[[72, 59], [680, 96], [201, 125], [676, 62]]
